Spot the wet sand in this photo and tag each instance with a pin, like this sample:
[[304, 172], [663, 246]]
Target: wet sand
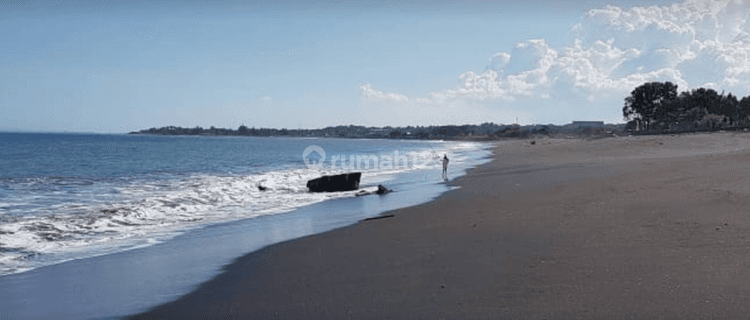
[[620, 228]]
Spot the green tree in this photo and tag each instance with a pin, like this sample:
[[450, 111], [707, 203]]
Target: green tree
[[729, 109], [649, 103]]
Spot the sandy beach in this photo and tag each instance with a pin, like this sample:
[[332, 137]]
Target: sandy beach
[[617, 228]]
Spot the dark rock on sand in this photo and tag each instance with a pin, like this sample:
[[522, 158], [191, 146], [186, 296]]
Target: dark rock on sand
[[341, 182]]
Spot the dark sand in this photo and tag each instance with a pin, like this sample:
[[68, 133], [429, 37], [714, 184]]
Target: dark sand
[[618, 228]]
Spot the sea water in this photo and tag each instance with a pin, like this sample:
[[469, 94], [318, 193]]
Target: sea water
[[75, 196]]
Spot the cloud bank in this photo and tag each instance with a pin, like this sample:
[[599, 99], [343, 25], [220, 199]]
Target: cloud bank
[[697, 43]]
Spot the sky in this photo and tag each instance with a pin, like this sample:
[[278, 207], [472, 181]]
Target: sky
[[120, 66]]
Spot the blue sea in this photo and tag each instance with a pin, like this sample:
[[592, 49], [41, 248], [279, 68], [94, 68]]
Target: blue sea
[[75, 196]]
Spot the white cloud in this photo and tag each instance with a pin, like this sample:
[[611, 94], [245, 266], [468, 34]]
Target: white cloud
[[369, 92], [692, 44], [499, 61]]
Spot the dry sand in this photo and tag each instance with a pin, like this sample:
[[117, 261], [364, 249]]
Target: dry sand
[[616, 228]]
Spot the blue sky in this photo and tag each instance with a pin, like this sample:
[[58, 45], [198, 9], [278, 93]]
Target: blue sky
[[123, 66]]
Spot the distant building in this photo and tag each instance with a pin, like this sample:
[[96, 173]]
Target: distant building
[[588, 124]]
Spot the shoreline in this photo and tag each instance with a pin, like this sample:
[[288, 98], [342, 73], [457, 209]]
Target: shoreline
[[611, 228], [145, 277]]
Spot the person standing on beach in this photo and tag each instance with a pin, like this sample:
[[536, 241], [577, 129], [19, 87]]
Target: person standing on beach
[[445, 166]]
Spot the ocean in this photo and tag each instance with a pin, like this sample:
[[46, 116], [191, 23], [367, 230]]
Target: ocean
[[75, 196]]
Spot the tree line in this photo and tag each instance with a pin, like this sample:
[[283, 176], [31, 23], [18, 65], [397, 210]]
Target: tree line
[[484, 131], [351, 131], [657, 107]]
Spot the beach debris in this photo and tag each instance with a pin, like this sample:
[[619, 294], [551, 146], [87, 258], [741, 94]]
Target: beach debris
[[379, 217], [341, 182], [380, 191]]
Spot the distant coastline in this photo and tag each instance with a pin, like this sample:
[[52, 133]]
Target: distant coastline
[[652, 108], [482, 132]]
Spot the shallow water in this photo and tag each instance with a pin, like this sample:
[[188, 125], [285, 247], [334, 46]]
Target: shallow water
[[72, 196]]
